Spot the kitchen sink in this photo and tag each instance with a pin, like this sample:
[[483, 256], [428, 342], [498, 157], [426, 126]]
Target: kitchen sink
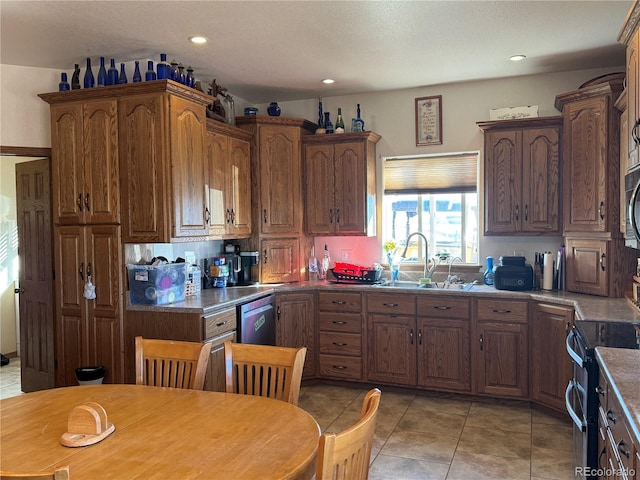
[[427, 286]]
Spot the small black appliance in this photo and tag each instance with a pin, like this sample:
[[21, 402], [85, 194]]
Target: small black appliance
[[247, 261], [513, 274]]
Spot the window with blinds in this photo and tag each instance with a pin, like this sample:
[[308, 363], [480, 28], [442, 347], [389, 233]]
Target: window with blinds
[[437, 196]]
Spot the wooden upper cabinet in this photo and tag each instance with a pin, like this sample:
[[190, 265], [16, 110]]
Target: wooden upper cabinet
[[522, 176], [84, 141], [591, 186], [630, 36], [228, 188], [280, 260], [340, 184]]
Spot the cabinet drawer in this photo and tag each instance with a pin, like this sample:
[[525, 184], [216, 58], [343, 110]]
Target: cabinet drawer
[[502, 310], [340, 322], [339, 302], [389, 303], [444, 307], [219, 322], [621, 444], [340, 343], [340, 367]]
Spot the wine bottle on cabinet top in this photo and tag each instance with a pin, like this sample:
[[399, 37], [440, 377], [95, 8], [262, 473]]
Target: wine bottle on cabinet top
[[102, 74], [339, 122], [150, 74], [88, 75], [122, 78], [112, 73], [163, 67], [136, 73]]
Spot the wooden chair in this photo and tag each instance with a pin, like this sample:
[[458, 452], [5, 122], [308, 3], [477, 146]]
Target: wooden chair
[[60, 473], [346, 455], [168, 363], [264, 370]]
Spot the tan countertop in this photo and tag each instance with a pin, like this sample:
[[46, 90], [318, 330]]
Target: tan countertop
[[588, 307], [621, 367]]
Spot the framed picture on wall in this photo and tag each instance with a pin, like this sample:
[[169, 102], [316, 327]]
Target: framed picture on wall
[[429, 120]]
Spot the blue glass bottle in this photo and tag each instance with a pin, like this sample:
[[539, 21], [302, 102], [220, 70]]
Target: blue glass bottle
[[88, 76], [328, 126], [75, 79], [122, 78], [191, 80], [163, 67], [136, 73], [63, 86], [173, 71], [488, 274], [150, 74], [182, 76], [112, 73], [102, 74]]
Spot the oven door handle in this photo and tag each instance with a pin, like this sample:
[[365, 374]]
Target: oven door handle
[[580, 423], [572, 353]]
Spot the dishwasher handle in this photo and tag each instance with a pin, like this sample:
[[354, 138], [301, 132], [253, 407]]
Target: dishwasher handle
[[580, 423], [572, 353]]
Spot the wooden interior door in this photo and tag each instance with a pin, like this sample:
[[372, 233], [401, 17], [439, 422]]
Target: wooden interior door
[[33, 200]]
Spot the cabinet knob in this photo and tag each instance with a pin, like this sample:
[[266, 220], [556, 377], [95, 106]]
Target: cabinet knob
[[86, 202], [264, 213], [623, 450], [481, 343], [79, 202]]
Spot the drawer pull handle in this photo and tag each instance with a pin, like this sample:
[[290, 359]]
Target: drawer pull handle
[[481, 342], [600, 390], [338, 302], [611, 416], [411, 336], [339, 344], [338, 367], [339, 322], [390, 304], [219, 324], [501, 311], [621, 448], [442, 307]]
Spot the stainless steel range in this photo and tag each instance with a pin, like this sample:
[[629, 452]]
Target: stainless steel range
[[582, 395]]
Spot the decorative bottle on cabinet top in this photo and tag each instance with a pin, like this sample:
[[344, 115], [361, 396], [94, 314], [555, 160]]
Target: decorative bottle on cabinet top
[[150, 74], [339, 122], [112, 73], [273, 109], [191, 80], [102, 74], [63, 86], [488, 274], [136, 73], [75, 79], [359, 122], [320, 128], [328, 126], [122, 78], [88, 76], [163, 67]]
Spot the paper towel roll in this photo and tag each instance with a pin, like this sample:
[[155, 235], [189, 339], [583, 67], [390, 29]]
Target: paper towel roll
[[547, 278]]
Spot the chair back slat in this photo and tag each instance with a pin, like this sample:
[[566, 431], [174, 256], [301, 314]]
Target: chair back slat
[[264, 370], [346, 455], [168, 363]]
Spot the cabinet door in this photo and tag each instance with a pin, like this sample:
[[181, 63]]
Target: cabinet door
[[503, 177], [541, 180], [320, 214], [187, 126], [217, 151], [215, 381], [280, 260], [104, 313], [101, 201], [67, 163], [585, 175], [392, 349], [587, 266], [443, 354], [350, 191], [71, 307], [279, 177], [550, 364], [144, 169], [501, 358], [630, 149], [295, 325], [239, 188]]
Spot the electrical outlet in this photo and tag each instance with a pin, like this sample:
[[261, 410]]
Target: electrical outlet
[[346, 254]]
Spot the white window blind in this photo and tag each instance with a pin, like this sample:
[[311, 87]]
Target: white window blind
[[439, 173]]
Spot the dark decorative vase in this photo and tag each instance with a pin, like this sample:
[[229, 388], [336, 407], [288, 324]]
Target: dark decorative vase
[[75, 79], [273, 109], [123, 75], [88, 76], [63, 86], [150, 74], [182, 76], [136, 73], [112, 73], [174, 74], [163, 67], [328, 126], [191, 80], [102, 74]]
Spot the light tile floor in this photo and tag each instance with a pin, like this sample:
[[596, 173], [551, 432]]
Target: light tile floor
[[433, 436], [438, 437]]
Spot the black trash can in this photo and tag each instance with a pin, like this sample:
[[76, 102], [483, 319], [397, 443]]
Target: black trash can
[[90, 375]]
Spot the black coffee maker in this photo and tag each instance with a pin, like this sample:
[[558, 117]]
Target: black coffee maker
[[247, 261]]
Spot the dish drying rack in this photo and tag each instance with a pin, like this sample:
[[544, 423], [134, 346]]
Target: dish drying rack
[[349, 273]]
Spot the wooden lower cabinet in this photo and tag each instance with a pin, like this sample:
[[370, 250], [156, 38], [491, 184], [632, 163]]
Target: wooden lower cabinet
[[295, 321], [219, 327], [501, 349], [551, 367], [392, 350]]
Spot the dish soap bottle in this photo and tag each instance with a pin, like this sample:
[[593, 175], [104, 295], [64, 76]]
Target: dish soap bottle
[[326, 261], [313, 265], [488, 274]]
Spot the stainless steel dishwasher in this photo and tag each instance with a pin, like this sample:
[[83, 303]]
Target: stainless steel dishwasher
[[257, 322]]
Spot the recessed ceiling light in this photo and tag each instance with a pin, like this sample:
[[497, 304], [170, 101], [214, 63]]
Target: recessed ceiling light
[[328, 80], [198, 39], [517, 58]]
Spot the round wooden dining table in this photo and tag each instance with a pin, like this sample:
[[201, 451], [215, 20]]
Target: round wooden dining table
[[161, 433]]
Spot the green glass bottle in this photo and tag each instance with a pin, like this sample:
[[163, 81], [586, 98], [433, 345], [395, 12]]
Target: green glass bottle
[[339, 128]]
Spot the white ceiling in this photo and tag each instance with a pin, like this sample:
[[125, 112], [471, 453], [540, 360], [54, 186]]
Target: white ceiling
[[280, 50]]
